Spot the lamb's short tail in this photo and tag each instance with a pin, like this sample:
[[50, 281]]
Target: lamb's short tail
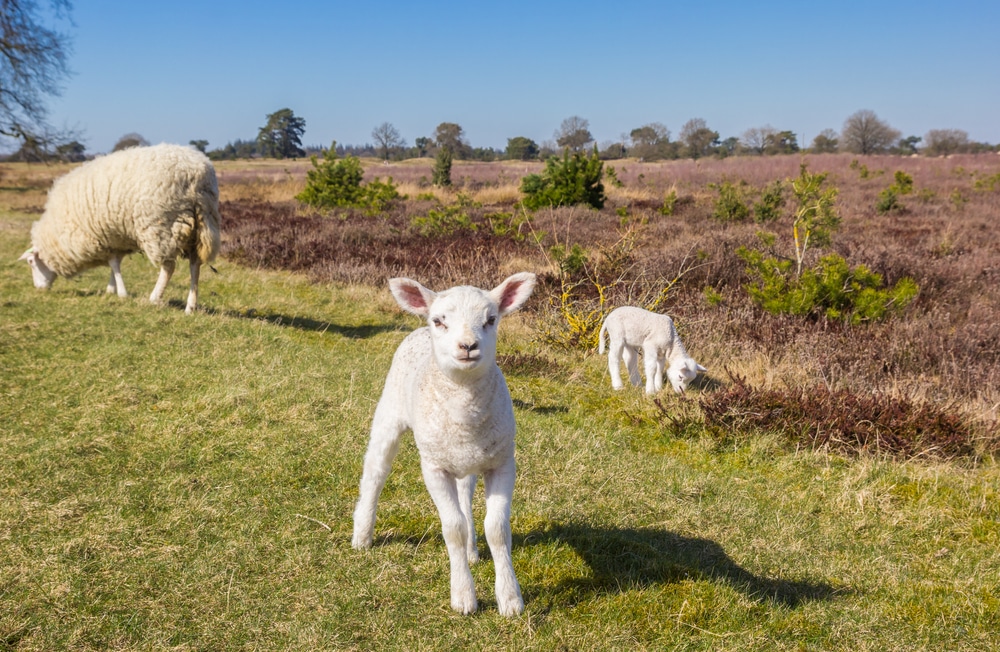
[[600, 336], [207, 224]]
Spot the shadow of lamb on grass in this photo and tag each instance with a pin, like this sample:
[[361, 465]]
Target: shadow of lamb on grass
[[636, 558]]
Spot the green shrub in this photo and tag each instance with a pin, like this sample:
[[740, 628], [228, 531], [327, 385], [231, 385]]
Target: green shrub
[[446, 220], [442, 168], [772, 198], [669, 203], [730, 206], [888, 199], [815, 217], [831, 289], [338, 183], [571, 180]]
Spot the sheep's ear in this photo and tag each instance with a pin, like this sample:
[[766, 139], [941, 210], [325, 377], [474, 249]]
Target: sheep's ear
[[700, 368], [28, 255], [513, 292], [411, 296]]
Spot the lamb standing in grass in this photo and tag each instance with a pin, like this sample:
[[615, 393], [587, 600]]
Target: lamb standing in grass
[[631, 328], [445, 386], [161, 200]]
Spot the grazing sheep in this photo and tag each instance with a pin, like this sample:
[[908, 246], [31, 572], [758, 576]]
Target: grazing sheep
[[161, 200], [629, 329], [445, 386]]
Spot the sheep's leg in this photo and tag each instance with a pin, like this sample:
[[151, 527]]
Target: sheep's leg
[[466, 488], [166, 271], [382, 449], [652, 366], [443, 489], [499, 489], [193, 292], [631, 357], [116, 284], [615, 352]]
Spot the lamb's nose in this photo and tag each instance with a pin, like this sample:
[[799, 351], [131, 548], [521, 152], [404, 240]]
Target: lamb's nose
[[469, 347]]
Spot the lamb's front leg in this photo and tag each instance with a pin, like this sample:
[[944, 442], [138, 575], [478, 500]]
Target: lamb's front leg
[[499, 489], [443, 488], [166, 271], [382, 449], [631, 357], [653, 369]]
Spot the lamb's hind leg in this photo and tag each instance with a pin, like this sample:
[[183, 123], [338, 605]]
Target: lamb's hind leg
[[632, 364], [192, 302], [616, 349], [466, 488], [166, 271], [116, 285], [443, 488]]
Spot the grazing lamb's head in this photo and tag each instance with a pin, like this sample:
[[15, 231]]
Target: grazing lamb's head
[[463, 320], [40, 272], [682, 372]]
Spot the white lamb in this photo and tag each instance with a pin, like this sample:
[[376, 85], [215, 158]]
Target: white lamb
[[631, 328], [161, 200], [445, 386]]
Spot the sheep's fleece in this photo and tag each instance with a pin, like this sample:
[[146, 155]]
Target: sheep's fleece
[[162, 200]]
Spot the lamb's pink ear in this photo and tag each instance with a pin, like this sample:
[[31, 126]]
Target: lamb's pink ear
[[513, 292], [701, 369], [28, 255], [411, 296]]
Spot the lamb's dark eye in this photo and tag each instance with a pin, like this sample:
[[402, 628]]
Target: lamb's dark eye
[[491, 320], [440, 323]]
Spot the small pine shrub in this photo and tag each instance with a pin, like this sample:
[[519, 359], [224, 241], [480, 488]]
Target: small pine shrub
[[568, 181], [446, 220], [441, 176], [831, 289], [669, 203], [888, 199], [730, 206], [772, 198], [337, 183]]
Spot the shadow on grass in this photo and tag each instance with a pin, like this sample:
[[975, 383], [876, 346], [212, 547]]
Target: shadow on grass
[[540, 409], [622, 559], [301, 323]]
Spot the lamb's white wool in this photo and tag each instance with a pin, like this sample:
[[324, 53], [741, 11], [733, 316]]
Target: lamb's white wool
[[161, 200], [445, 386], [631, 328]]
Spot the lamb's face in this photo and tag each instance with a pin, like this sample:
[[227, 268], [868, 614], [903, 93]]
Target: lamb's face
[[463, 320], [682, 372], [463, 323], [41, 275]]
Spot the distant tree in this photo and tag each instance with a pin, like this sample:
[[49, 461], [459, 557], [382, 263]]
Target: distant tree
[[387, 139], [130, 140], [449, 135], [71, 152], [908, 145], [756, 139], [781, 142], [573, 134], [942, 142], [825, 142], [520, 148], [729, 147], [32, 64], [651, 142], [612, 149], [865, 133], [281, 137], [200, 145], [485, 154], [423, 146], [698, 139]]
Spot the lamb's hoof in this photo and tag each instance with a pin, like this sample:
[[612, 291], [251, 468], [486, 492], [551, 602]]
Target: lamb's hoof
[[361, 542], [511, 608], [465, 604]]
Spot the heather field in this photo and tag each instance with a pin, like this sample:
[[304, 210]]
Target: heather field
[[175, 482]]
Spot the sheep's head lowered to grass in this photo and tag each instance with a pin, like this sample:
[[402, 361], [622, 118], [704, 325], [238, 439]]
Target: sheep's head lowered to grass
[[42, 276]]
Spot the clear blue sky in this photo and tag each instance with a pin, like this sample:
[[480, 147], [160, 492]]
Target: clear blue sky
[[207, 69]]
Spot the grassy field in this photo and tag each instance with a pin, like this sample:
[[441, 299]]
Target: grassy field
[[186, 482]]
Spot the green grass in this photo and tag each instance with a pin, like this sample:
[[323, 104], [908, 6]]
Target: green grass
[[187, 482]]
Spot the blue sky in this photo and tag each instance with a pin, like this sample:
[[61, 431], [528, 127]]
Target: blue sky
[[206, 69]]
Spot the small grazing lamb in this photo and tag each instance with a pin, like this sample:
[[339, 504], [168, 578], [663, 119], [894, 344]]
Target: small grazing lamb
[[161, 200], [445, 386], [629, 329]]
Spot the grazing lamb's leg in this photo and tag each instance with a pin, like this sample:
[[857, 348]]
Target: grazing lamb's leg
[[193, 292], [632, 364], [116, 284], [466, 488], [499, 489], [652, 365], [661, 361], [615, 352], [443, 489], [382, 449], [166, 271]]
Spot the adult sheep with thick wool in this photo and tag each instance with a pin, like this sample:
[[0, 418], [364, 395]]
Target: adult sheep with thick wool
[[161, 200]]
